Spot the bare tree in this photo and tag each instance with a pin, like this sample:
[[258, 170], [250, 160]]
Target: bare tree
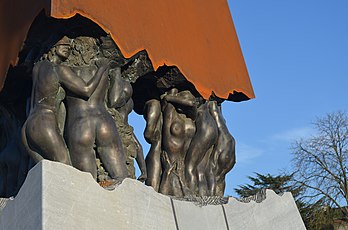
[[321, 161]]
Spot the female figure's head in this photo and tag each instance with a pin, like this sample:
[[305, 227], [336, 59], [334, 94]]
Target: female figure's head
[[60, 51], [63, 48]]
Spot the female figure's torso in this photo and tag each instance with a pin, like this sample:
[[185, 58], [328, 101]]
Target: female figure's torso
[[178, 131], [94, 106], [47, 93]]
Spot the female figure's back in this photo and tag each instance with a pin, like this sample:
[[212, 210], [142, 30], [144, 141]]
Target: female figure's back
[[91, 131]]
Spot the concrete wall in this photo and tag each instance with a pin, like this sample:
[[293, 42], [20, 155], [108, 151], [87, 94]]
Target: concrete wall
[[55, 196]]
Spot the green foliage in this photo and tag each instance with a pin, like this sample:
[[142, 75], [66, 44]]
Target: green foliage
[[279, 184]]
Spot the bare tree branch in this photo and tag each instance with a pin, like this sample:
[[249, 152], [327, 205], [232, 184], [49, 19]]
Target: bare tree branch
[[320, 162]]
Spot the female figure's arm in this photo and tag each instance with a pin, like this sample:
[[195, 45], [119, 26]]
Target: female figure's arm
[[77, 85], [184, 101], [140, 159], [153, 135]]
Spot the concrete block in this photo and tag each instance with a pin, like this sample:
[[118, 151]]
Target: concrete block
[[72, 200], [275, 212], [190, 216], [56, 196]]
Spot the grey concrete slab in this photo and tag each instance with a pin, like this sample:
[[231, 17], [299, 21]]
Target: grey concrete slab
[[56, 196], [274, 213], [190, 216], [72, 200]]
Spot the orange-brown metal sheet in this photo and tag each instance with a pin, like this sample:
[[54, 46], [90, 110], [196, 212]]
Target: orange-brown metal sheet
[[16, 16], [196, 36]]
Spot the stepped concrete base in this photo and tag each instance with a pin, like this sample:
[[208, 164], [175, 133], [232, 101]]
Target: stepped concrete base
[[55, 196]]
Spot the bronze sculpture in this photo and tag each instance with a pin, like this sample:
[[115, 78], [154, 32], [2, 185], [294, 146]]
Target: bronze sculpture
[[120, 104], [85, 77], [191, 148], [202, 142], [178, 130], [42, 132], [82, 96], [84, 89], [153, 135], [90, 129], [224, 151]]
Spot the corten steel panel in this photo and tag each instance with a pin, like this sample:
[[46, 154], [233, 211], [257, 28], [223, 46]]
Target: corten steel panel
[[16, 16], [196, 36]]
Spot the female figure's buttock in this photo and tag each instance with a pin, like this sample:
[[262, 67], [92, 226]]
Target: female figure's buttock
[[40, 125], [97, 125]]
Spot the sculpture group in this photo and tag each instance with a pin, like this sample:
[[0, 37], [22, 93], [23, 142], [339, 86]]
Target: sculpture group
[[81, 129], [78, 115], [191, 148]]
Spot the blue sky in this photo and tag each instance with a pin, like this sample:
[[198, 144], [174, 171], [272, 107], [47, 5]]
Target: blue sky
[[297, 57]]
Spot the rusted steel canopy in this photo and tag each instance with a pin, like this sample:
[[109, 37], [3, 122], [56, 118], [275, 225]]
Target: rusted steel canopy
[[196, 36], [16, 17]]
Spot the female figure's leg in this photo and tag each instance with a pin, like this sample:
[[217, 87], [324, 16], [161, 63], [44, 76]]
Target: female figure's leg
[[109, 148]]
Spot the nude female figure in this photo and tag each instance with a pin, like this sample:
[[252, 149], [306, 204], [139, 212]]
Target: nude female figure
[[223, 155], [178, 128], [121, 104], [201, 146], [217, 150], [42, 133], [90, 129], [153, 135]]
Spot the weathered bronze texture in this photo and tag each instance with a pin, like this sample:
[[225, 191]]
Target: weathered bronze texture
[[120, 103], [83, 131], [90, 129], [42, 132], [191, 148], [120, 108]]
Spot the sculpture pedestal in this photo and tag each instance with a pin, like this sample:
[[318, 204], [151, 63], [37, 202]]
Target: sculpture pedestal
[[55, 196]]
